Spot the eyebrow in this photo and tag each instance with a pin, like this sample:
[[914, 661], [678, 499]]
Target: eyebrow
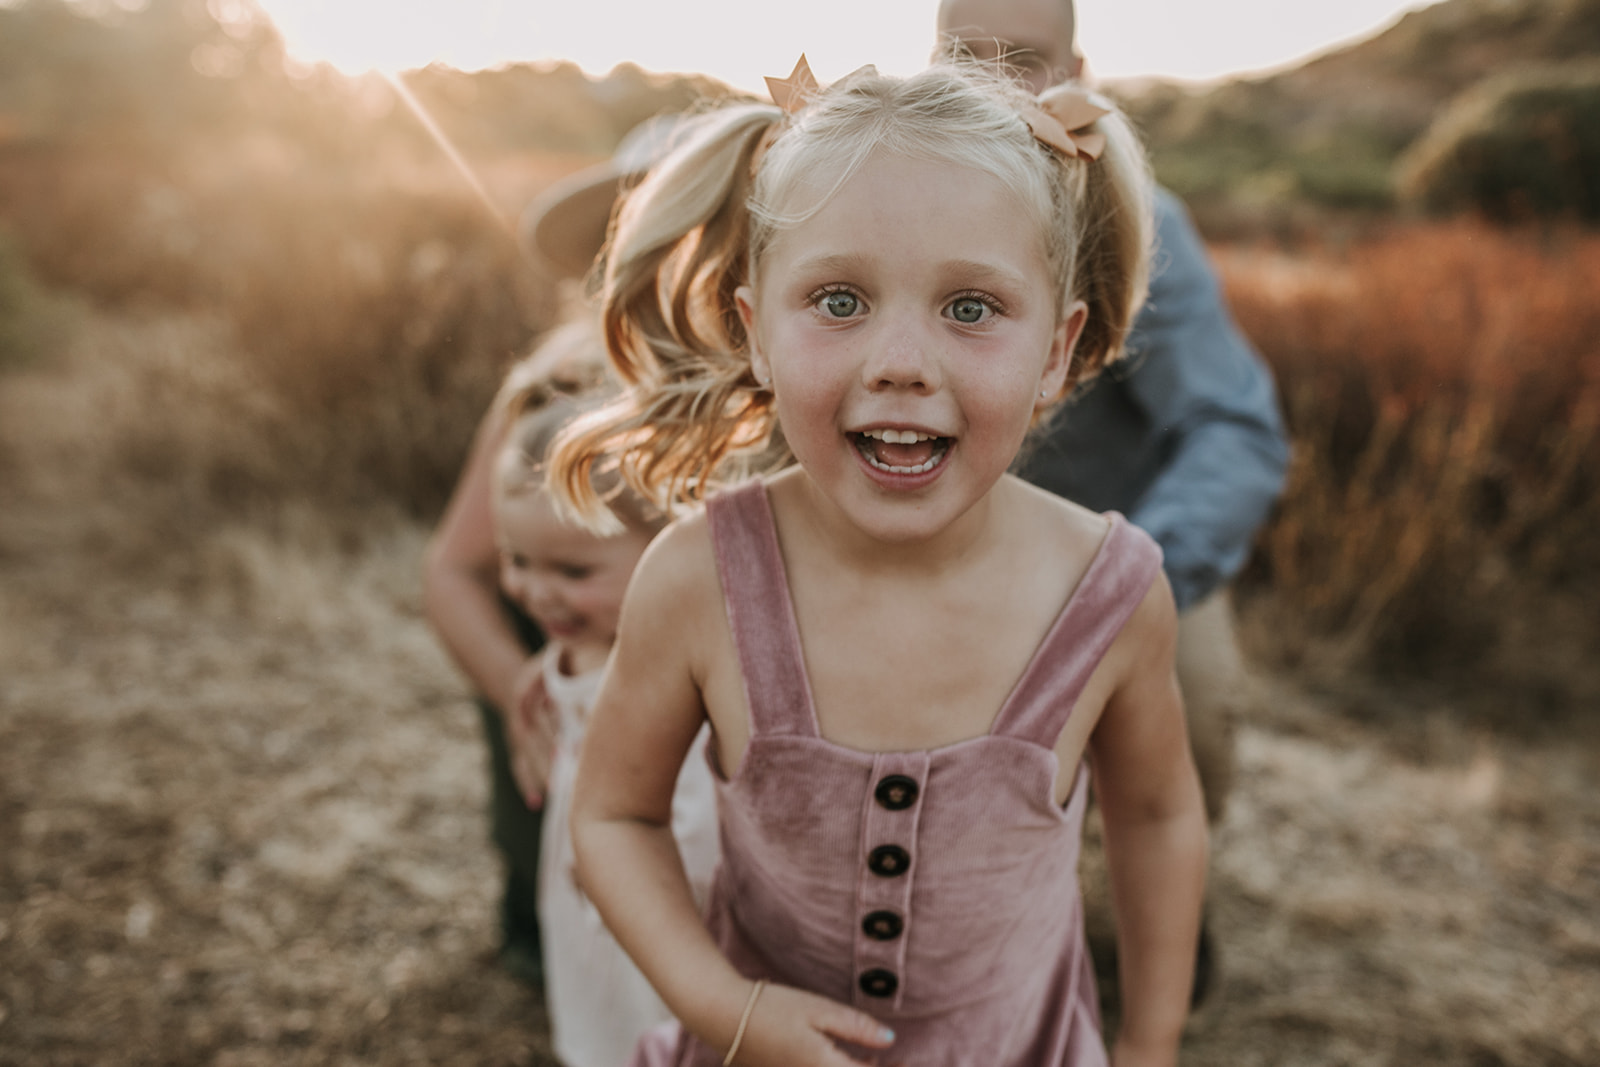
[[1003, 45], [841, 262], [969, 270], [1021, 52]]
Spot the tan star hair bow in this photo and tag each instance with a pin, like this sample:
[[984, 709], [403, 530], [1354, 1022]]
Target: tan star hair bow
[[790, 93], [1061, 119]]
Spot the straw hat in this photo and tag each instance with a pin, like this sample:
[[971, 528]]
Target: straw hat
[[565, 225]]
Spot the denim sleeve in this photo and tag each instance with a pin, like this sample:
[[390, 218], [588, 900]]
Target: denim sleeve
[[1210, 396]]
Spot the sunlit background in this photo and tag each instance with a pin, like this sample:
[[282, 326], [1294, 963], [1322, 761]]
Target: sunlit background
[[739, 41]]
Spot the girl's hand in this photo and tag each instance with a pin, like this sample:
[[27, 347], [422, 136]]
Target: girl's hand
[[531, 733], [791, 1028]]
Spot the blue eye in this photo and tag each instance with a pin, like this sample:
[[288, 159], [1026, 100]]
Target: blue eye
[[968, 309], [841, 305]]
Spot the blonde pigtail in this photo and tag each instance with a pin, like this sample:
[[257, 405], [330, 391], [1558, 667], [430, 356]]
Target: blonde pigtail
[[691, 404], [1111, 267]]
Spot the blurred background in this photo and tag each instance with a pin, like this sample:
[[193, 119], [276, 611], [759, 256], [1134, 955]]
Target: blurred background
[[251, 312]]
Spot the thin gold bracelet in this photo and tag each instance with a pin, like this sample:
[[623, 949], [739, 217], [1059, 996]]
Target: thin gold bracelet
[[744, 1021]]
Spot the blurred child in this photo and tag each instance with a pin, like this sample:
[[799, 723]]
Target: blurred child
[[570, 582], [497, 645], [494, 643], [909, 658]]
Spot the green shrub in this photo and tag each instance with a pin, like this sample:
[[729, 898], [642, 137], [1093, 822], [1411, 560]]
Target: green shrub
[[1520, 146]]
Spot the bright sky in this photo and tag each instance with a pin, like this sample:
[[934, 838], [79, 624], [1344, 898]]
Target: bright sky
[[738, 41]]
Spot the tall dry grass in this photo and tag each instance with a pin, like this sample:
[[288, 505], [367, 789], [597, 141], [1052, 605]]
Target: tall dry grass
[[333, 337], [1442, 386]]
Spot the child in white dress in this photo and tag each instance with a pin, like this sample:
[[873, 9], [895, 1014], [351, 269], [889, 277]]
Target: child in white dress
[[571, 581]]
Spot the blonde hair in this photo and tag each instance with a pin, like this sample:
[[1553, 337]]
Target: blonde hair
[[565, 377], [698, 226]]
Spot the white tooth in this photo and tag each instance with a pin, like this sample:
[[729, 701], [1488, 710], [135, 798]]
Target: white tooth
[[895, 437], [920, 468]]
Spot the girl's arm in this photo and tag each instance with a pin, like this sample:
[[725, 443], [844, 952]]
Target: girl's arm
[[1155, 835], [644, 721], [461, 597]]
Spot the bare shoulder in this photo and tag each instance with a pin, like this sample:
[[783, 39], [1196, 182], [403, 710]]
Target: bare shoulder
[[1077, 534], [1148, 640], [1062, 527], [679, 569]]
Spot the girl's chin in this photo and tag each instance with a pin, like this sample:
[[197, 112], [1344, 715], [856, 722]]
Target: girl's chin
[[588, 653]]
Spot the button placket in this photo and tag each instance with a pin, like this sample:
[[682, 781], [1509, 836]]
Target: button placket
[[888, 867]]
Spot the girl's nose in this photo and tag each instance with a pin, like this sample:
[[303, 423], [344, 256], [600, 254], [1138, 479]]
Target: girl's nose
[[537, 592], [900, 358]]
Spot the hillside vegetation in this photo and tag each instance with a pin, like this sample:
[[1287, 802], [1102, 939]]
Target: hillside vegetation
[[1327, 134]]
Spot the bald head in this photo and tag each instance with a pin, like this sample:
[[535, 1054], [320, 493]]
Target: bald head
[[1036, 37]]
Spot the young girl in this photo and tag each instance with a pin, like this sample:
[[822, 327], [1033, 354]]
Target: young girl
[[496, 645], [907, 656], [570, 582]]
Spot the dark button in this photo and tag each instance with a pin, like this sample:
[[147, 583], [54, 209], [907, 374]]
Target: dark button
[[896, 792], [882, 925], [879, 982], [890, 861]]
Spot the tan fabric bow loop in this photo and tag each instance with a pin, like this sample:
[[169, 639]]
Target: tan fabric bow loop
[[790, 93], [1061, 119]]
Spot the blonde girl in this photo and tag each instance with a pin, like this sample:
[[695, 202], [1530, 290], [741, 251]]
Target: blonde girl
[[911, 661], [495, 644], [570, 582]]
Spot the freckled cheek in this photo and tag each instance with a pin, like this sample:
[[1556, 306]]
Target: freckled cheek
[[808, 401], [1005, 400]]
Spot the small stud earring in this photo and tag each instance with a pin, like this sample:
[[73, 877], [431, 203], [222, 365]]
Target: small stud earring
[[1041, 394]]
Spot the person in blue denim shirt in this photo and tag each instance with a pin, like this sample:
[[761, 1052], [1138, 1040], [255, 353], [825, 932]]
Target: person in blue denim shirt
[[1184, 435]]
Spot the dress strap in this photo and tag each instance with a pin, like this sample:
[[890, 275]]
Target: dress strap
[[755, 589], [1114, 585]]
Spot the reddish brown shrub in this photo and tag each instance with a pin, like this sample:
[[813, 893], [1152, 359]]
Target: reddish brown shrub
[[1442, 385]]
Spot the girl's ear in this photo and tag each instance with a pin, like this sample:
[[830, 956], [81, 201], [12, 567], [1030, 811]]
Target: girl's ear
[[745, 298], [1056, 380]]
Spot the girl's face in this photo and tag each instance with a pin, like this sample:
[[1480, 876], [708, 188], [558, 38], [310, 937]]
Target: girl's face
[[908, 329], [568, 580]]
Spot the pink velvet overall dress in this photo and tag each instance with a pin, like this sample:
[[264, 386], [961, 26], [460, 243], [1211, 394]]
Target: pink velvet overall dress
[[936, 891]]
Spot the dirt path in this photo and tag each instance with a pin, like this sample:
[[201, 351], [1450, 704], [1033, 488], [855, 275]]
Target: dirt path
[[240, 823]]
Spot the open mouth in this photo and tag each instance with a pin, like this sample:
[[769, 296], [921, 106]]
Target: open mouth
[[901, 451], [559, 627]]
